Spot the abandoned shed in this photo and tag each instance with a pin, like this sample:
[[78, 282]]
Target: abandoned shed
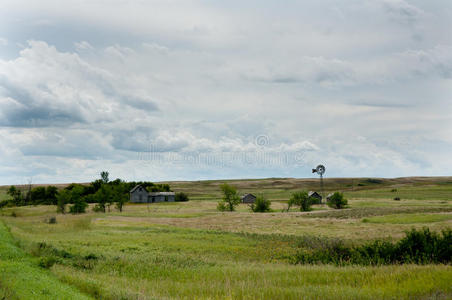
[[248, 198], [140, 195], [316, 197]]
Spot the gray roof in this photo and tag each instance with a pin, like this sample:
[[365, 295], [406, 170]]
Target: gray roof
[[133, 190], [162, 194], [310, 193]]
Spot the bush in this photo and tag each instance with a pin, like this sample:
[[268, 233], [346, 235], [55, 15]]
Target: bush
[[78, 207], [47, 262], [221, 206], [51, 220], [181, 197], [419, 247], [99, 208], [337, 201], [393, 190], [261, 204], [397, 198]]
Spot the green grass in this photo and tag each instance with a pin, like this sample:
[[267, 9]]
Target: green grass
[[191, 251], [22, 278], [409, 218], [146, 262]]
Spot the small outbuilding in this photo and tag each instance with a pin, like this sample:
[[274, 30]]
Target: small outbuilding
[[328, 197], [248, 198], [139, 194], [315, 196]]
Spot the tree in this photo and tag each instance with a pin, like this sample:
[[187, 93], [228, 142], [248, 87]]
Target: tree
[[300, 199], [261, 204], [120, 196], [51, 195], [102, 196], [230, 198], [80, 204], [104, 176], [38, 195], [16, 194], [181, 197], [63, 197], [337, 201]]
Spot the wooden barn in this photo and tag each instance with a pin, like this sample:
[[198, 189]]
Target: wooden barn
[[248, 198]]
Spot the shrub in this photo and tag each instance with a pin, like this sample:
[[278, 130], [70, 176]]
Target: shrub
[[419, 247], [397, 198], [181, 197], [51, 220], [221, 206], [78, 207], [99, 208], [337, 201], [47, 262], [393, 190], [261, 204], [300, 199]]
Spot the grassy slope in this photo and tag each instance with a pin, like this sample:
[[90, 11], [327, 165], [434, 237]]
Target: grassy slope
[[22, 278], [142, 261]]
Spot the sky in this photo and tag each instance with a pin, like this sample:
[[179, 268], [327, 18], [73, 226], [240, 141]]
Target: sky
[[193, 90]]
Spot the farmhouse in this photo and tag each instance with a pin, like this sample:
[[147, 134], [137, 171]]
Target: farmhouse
[[315, 196], [248, 198], [140, 195]]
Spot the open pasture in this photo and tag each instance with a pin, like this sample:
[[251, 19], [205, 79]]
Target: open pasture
[[189, 250]]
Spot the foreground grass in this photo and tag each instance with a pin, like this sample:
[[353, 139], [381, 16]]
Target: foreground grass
[[136, 260], [22, 278]]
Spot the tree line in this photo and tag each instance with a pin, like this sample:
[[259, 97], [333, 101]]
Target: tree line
[[102, 191]]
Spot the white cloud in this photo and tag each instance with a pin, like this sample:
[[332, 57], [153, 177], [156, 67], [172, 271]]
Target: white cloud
[[332, 83]]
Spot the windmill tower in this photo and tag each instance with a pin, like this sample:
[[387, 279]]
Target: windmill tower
[[320, 169]]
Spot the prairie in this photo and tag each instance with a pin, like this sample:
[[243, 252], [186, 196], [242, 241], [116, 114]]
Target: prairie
[[189, 250]]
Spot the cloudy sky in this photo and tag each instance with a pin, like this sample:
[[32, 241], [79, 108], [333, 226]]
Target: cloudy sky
[[184, 90]]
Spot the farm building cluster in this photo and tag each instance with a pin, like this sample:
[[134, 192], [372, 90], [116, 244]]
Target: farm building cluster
[[139, 194]]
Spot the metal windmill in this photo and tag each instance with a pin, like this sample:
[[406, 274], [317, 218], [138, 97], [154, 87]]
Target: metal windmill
[[320, 169]]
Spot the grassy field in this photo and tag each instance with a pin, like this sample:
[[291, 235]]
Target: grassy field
[[190, 250]]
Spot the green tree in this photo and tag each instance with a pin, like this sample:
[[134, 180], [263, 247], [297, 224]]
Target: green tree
[[337, 201], [51, 195], [103, 197], [16, 195], [230, 198], [80, 204], [104, 176], [261, 204], [38, 195], [63, 198], [300, 199], [120, 196]]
